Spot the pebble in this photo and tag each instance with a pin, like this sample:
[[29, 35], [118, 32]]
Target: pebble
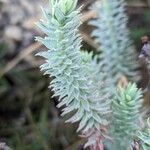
[[16, 14], [13, 32]]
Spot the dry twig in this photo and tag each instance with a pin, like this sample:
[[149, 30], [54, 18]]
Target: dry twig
[[24, 53]]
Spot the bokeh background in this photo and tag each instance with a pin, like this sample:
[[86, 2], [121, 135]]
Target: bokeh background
[[29, 119]]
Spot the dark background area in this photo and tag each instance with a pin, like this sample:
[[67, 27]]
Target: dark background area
[[29, 119]]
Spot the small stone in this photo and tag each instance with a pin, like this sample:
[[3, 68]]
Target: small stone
[[3, 146], [16, 14], [14, 33]]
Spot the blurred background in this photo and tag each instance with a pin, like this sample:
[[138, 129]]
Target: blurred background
[[29, 119]]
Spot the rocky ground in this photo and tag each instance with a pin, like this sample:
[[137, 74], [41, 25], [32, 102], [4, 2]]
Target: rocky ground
[[17, 22], [28, 119]]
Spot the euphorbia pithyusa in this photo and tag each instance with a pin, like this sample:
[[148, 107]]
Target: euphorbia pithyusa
[[73, 71], [82, 82]]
